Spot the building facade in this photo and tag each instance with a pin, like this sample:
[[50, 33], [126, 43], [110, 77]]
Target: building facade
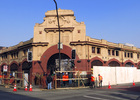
[[44, 46]]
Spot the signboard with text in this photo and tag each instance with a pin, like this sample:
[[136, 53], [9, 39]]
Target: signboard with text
[[5, 68]]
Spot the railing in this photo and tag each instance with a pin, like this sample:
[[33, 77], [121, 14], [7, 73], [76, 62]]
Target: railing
[[76, 79], [9, 80]]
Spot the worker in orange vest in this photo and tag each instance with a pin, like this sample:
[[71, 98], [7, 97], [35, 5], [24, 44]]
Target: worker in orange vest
[[92, 81], [65, 79], [0, 76], [100, 80], [1, 79]]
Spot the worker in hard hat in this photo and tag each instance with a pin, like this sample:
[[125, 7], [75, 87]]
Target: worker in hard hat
[[92, 81], [100, 80]]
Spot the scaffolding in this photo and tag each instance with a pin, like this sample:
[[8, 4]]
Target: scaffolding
[[10, 80], [76, 79]]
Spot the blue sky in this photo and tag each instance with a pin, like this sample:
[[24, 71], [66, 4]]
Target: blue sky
[[116, 21]]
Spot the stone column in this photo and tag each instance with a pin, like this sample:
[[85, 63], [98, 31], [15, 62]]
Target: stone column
[[19, 70]]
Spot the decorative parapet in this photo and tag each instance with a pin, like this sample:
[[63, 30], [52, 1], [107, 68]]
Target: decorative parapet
[[60, 11]]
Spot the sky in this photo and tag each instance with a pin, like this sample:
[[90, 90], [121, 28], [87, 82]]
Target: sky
[[116, 21]]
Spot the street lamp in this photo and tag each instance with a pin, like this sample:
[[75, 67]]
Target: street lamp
[[59, 32]]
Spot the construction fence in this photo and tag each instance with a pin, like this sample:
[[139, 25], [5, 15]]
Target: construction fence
[[8, 80], [117, 75], [76, 79]]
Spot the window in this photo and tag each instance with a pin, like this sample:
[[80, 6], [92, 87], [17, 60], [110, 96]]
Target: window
[[40, 32], [17, 54], [131, 55], [117, 53], [93, 49], [125, 54], [128, 55], [98, 50], [109, 52], [113, 52], [12, 56], [138, 56], [79, 31], [24, 52]]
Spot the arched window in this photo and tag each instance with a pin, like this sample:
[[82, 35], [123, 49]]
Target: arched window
[[113, 63]]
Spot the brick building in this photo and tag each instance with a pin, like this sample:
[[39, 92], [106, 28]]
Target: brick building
[[44, 46]]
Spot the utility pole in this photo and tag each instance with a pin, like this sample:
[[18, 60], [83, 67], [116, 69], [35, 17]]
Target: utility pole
[[59, 32]]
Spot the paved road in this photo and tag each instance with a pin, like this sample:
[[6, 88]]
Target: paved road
[[78, 94]]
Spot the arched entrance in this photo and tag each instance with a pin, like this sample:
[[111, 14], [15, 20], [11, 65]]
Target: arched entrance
[[139, 66], [26, 68], [96, 63], [129, 64], [13, 68], [53, 62], [113, 63]]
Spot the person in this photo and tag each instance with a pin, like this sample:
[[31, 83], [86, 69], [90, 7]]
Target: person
[[92, 81], [46, 81], [100, 80], [65, 79], [70, 76], [49, 81], [1, 79]]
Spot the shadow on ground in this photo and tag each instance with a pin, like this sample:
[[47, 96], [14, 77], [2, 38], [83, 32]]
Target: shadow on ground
[[136, 89], [11, 96]]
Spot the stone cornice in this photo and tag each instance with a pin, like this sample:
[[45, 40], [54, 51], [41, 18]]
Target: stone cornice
[[40, 44], [103, 45], [25, 45], [61, 29]]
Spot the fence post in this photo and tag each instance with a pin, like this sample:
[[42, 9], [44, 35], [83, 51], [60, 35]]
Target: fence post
[[96, 82], [22, 78], [20, 73], [9, 79], [55, 80], [3, 78], [16, 77], [78, 78]]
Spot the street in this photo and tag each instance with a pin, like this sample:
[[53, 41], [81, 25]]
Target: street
[[71, 94]]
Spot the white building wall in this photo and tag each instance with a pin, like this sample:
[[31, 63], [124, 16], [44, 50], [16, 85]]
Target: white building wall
[[138, 76]]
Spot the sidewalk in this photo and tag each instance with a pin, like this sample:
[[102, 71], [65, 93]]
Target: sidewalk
[[127, 87]]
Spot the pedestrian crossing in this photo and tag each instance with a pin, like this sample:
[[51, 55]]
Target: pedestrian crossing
[[112, 95]]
